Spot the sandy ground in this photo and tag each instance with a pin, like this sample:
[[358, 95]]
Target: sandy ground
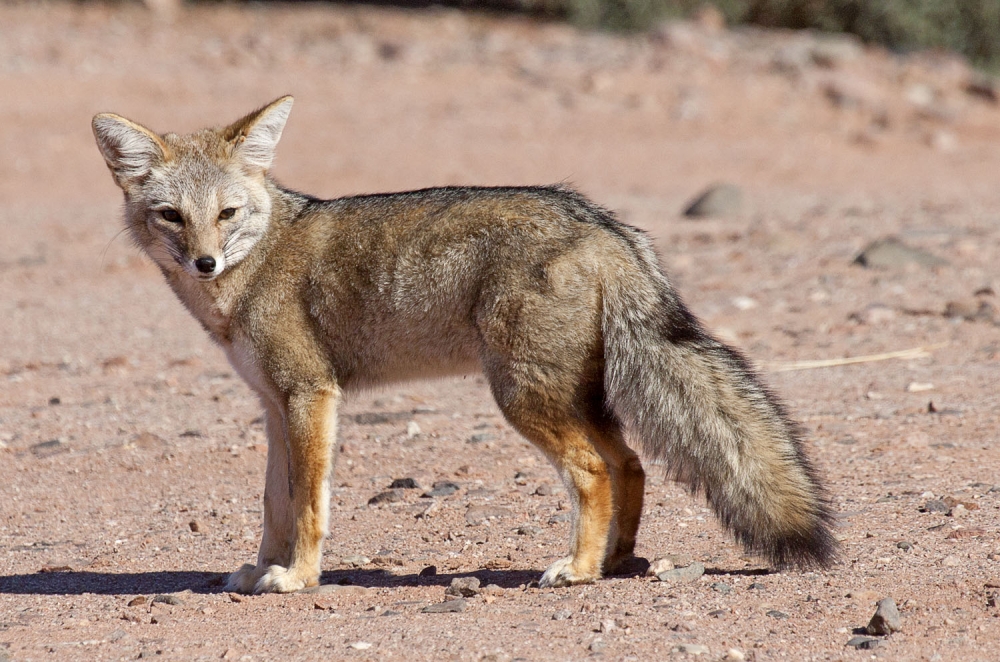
[[133, 457]]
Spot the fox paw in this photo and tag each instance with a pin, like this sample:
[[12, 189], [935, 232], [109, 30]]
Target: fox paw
[[562, 573], [282, 580], [244, 579]]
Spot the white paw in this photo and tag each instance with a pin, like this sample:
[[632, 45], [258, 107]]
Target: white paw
[[280, 580], [244, 579], [561, 573]]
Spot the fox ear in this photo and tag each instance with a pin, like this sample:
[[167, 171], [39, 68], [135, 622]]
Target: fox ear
[[256, 136], [131, 150]]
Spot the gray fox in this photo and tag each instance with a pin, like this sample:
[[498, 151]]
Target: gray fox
[[583, 340]]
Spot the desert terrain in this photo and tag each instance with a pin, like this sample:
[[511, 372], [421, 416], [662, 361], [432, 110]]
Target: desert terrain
[[132, 456]]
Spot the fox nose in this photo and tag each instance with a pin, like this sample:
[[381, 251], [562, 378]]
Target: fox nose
[[206, 264]]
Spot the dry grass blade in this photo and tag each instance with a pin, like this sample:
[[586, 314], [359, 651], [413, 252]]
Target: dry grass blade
[[913, 353]]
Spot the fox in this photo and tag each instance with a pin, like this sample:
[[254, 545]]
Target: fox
[[588, 350]]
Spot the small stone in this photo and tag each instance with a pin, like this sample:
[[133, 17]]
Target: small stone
[[774, 613], [441, 488], [959, 511], [463, 587], [544, 489], [477, 515], [324, 589], [886, 619], [380, 417], [717, 200], [904, 545], [236, 597], [982, 87], [722, 588], [734, 655], [691, 649], [917, 387], [360, 645], [195, 526], [49, 448], [935, 506], [520, 478], [951, 561], [607, 626], [597, 646], [480, 437], [874, 315], [971, 310], [429, 571], [404, 484], [167, 599], [658, 566], [891, 253], [757, 586], [562, 615], [412, 430], [355, 560], [962, 534], [389, 496], [559, 518], [528, 530], [136, 601], [450, 606], [864, 643], [682, 575]]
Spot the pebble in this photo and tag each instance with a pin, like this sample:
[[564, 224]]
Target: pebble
[[404, 484], [480, 437], [463, 587], [951, 561], [528, 530], [360, 645], [886, 619], [324, 589], [196, 526], [476, 515], [935, 506], [658, 566], [355, 560], [904, 545], [717, 200], [429, 571], [167, 599], [774, 613], [757, 586], [597, 646], [734, 655], [562, 615], [520, 478], [447, 607], [891, 253], [722, 587], [136, 601], [607, 626], [970, 310], [412, 430], [544, 489], [560, 517], [864, 643], [440, 489], [49, 448], [691, 649], [389, 496], [682, 575]]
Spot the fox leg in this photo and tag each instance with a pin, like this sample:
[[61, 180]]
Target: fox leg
[[311, 421], [276, 544], [628, 484]]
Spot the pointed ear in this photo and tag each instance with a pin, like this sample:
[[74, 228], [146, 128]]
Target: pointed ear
[[256, 136], [130, 150]]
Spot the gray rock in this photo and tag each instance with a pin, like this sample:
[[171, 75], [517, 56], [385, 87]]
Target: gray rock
[[562, 615], [381, 417], [404, 484], [560, 517], [440, 489], [935, 506], [864, 643], [428, 571], [722, 587], [904, 545], [447, 607], [717, 200], [682, 575], [774, 613], [389, 496], [49, 448], [886, 619], [891, 253], [476, 515], [544, 490], [597, 646], [528, 530], [463, 587], [167, 599], [480, 437]]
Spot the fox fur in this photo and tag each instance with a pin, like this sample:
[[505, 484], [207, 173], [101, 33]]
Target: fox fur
[[584, 342]]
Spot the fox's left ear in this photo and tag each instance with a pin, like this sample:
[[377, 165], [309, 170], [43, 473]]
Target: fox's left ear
[[131, 150], [256, 136]]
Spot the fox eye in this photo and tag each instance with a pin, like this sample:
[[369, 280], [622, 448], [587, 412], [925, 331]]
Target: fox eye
[[171, 216], [227, 214]]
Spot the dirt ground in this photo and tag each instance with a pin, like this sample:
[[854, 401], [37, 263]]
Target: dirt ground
[[132, 458]]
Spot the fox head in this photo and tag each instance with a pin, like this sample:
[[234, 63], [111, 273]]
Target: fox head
[[198, 203]]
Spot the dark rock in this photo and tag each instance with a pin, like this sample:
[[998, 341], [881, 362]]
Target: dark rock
[[716, 200], [404, 484], [389, 496], [774, 613], [441, 488], [722, 587], [891, 253], [935, 506], [886, 619], [167, 599], [429, 571], [49, 448], [480, 437], [528, 530], [864, 643], [450, 606], [136, 601], [381, 417], [904, 545]]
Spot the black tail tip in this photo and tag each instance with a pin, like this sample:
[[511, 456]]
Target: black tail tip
[[815, 549]]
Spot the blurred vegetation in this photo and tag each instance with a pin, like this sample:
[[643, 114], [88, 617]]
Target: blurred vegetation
[[969, 27]]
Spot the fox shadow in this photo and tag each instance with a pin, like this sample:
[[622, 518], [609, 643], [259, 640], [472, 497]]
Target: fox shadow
[[78, 582]]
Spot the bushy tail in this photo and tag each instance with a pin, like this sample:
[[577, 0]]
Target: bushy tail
[[696, 405]]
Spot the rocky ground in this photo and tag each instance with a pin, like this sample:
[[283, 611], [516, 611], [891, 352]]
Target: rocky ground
[[133, 457]]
